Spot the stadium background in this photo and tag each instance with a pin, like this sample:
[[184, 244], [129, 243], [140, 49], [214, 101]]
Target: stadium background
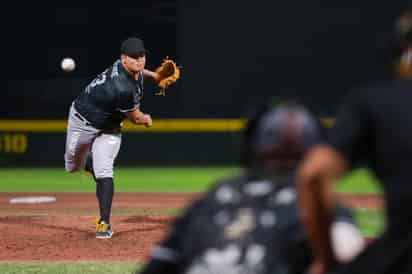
[[233, 54]]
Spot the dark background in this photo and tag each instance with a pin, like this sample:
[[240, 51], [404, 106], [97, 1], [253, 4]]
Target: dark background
[[251, 50], [37, 35], [234, 54]]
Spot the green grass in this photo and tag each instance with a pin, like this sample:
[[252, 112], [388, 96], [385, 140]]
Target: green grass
[[371, 222], [359, 181], [150, 179], [174, 179], [65, 268], [178, 179]]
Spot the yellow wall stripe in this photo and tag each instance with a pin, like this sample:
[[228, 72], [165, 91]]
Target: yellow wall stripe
[[159, 125], [33, 125], [190, 125]]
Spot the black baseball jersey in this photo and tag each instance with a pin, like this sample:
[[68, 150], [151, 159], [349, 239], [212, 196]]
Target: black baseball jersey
[[246, 224], [376, 122], [109, 96]]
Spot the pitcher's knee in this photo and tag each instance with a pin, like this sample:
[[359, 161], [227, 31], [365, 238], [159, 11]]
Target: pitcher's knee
[[103, 172]]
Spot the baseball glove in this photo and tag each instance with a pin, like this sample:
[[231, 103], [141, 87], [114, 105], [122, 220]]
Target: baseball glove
[[168, 73]]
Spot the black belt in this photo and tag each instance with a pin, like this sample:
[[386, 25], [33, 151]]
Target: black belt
[[82, 119], [112, 130], [116, 130]]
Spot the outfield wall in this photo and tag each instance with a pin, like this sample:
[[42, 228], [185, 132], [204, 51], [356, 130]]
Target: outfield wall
[[138, 148], [168, 142]]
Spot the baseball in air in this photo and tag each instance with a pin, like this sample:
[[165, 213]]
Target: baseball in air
[[68, 64]]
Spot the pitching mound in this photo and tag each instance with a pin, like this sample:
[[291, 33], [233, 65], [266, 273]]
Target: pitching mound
[[65, 231]]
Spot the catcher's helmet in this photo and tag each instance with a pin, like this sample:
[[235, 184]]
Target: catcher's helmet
[[277, 137]]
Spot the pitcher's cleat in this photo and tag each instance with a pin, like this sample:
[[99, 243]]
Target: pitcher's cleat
[[103, 230], [97, 222]]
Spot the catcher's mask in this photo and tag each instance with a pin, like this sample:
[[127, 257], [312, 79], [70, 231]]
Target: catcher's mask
[[277, 137]]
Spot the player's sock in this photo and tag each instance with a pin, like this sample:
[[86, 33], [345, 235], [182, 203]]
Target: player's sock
[[105, 190], [89, 165], [98, 196]]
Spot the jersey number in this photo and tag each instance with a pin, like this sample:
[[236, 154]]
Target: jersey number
[[100, 79]]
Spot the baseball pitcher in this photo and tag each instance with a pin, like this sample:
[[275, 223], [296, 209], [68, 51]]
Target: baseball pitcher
[[95, 119]]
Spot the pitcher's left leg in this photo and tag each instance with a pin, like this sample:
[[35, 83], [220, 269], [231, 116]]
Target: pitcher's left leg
[[105, 150]]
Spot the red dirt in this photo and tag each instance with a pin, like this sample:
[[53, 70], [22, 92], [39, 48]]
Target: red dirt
[[367, 201], [64, 230]]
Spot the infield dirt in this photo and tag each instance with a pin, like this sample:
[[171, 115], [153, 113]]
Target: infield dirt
[[65, 230]]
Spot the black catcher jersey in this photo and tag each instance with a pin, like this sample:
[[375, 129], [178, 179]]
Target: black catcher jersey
[[243, 225]]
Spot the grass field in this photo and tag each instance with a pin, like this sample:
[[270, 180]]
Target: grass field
[[64, 268], [173, 179]]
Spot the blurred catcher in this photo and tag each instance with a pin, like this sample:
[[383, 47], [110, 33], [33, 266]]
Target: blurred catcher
[[167, 74], [249, 223]]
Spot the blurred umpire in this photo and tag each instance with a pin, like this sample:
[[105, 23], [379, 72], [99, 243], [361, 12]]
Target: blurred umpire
[[249, 223], [374, 122]]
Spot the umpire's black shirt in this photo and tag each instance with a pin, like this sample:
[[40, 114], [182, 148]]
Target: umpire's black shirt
[[376, 122], [109, 96]]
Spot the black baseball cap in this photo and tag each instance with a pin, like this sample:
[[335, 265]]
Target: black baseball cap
[[132, 46]]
